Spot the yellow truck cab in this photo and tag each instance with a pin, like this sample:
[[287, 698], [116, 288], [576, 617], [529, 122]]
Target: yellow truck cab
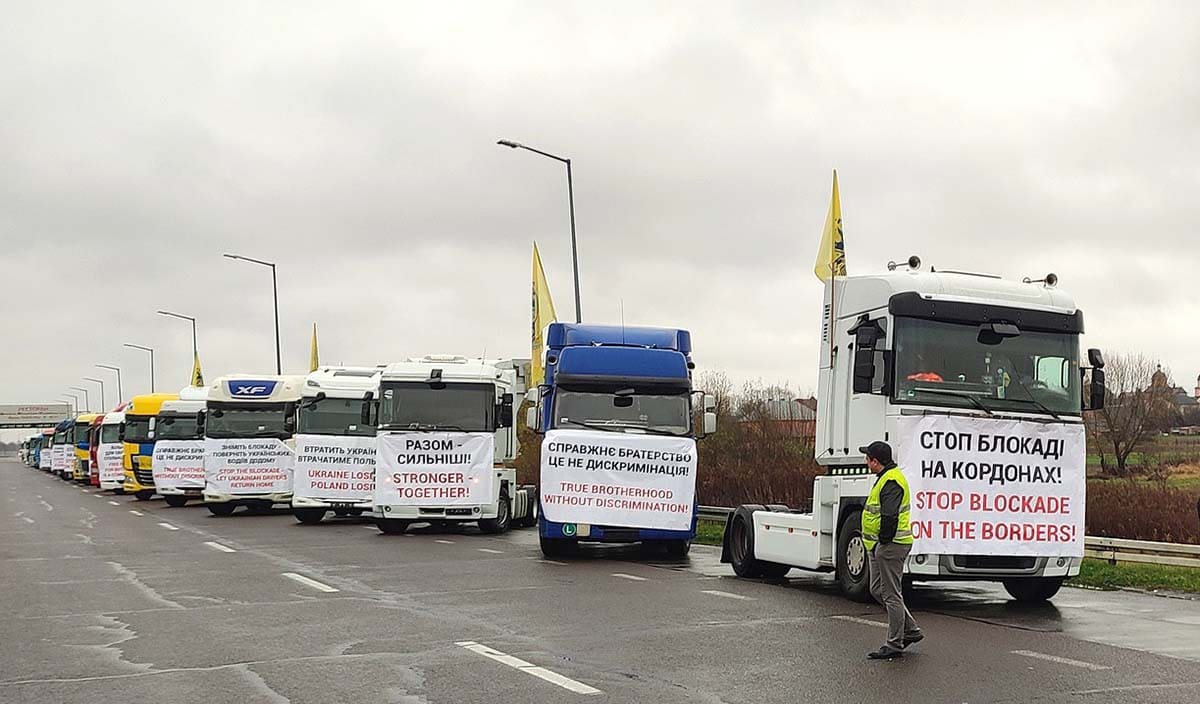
[[139, 443], [81, 458]]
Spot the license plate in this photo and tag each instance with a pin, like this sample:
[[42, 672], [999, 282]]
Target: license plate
[[341, 505]]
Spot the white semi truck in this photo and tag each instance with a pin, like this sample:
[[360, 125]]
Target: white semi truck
[[335, 445], [248, 426], [977, 382], [446, 442], [178, 463]]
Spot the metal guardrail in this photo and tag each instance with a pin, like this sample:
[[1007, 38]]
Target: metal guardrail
[[1112, 549]]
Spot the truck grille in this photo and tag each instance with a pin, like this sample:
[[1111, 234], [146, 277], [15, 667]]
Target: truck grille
[[994, 562], [145, 477]]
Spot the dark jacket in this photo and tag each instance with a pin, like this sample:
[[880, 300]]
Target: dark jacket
[[890, 497]]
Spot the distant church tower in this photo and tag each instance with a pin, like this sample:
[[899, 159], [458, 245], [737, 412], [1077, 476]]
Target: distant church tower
[[1159, 380], [1198, 387]]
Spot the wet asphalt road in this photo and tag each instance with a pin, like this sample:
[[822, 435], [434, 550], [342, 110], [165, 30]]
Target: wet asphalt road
[[108, 599]]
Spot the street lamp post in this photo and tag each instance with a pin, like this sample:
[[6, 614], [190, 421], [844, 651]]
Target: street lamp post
[[181, 316], [275, 293], [74, 404], [87, 403], [120, 394], [103, 398], [571, 204], [151, 351]]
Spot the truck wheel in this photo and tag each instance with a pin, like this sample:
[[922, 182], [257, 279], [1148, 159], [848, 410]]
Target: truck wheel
[[555, 547], [1033, 590], [309, 516], [741, 545], [224, 509], [677, 549], [391, 526], [853, 568], [503, 518], [532, 518], [175, 500], [144, 495]]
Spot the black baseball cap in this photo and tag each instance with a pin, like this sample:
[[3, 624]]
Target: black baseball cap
[[878, 450]]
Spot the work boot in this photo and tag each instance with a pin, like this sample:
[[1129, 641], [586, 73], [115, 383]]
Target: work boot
[[885, 652], [912, 639]]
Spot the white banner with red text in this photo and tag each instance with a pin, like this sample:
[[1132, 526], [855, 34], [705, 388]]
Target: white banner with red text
[[111, 458], [179, 464], [435, 469], [242, 466], [994, 487], [618, 479], [334, 468]]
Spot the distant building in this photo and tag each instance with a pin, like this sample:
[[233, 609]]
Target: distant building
[[797, 417]]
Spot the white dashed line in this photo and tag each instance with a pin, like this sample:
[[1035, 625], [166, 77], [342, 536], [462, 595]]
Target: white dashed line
[[631, 577], [168, 526], [27, 519], [218, 546], [309, 582], [864, 621], [552, 562], [528, 668], [490, 551], [115, 503], [445, 542], [1060, 661], [726, 595], [136, 513]]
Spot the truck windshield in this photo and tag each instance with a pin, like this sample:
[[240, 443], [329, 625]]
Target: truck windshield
[[177, 428], [949, 364], [333, 416], [81, 433], [456, 406], [110, 433], [248, 420], [137, 429], [656, 412]]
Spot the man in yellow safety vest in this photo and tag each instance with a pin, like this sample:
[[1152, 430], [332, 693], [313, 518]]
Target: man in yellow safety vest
[[887, 537]]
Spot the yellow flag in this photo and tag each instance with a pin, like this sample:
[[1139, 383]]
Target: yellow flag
[[543, 315], [197, 375], [314, 359], [831, 256]]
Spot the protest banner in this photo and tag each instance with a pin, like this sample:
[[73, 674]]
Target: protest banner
[[242, 466], [179, 464], [334, 468], [435, 469]]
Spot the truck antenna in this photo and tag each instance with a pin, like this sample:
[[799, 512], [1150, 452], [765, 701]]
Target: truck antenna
[[622, 321]]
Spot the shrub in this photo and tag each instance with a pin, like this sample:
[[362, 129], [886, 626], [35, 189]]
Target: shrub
[[1142, 511]]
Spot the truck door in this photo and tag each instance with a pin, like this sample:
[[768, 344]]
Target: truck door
[[868, 364]]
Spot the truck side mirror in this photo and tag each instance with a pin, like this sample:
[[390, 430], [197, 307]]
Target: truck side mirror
[[504, 411], [1096, 358], [710, 422], [1098, 391], [531, 418], [866, 335]]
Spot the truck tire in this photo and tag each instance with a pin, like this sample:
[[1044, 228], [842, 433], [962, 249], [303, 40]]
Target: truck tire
[[144, 495], [534, 509], [503, 520], [224, 509], [1033, 590], [175, 500], [741, 547], [391, 526], [559, 547], [309, 516], [677, 549], [853, 567]]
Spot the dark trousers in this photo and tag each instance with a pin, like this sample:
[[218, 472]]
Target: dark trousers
[[887, 580]]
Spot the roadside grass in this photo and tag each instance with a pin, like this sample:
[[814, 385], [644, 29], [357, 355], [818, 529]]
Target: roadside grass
[[709, 532], [1101, 574]]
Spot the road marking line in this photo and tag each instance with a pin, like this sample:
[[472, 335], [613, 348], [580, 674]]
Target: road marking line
[[631, 577], [168, 526], [864, 621], [115, 503], [136, 513], [308, 582], [27, 519], [445, 542], [491, 551], [1061, 661], [218, 546], [553, 562], [528, 668], [727, 595]]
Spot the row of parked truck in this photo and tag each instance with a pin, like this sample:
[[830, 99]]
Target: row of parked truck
[[978, 382]]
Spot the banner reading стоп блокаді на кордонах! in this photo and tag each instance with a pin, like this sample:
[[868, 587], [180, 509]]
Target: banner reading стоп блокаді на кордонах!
[[994, 487], [247, 466], [334, 467], [618, 479]]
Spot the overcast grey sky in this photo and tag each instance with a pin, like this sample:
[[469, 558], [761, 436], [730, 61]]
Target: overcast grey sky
[[354, 144]]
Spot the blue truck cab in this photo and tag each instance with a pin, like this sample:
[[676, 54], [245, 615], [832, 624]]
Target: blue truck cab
[[623, 379]]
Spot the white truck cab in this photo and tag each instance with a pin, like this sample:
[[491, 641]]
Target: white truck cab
[[977, 382], [179, 447], [335, 443], [111, 453], [248, 426], [439, 417]]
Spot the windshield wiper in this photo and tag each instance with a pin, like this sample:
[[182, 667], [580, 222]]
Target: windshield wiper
[[425, 427], [616, 426], [960, 394], [1030, 399]]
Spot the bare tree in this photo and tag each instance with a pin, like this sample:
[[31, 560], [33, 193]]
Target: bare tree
[[1137, 406]]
